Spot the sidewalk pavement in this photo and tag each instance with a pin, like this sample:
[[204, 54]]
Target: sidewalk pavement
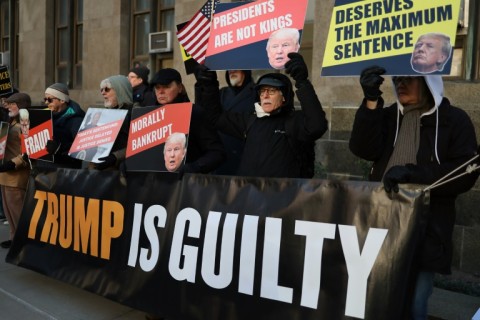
[[25, 294]]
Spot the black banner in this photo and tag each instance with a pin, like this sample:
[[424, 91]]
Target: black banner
[[213, 247]]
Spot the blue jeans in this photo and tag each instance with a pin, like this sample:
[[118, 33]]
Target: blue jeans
[[423, 291]]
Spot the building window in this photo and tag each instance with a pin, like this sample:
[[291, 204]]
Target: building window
[[141, 18], [68, 42], [9, 37], [166, 15], [78, 44], [4, 26], [165, 22], [150, 16]]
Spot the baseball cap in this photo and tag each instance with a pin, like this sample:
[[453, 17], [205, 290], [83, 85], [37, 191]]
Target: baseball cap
[[165, 76], [266, 81]]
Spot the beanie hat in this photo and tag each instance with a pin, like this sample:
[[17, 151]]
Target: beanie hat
[[142, 72], [59, 90], [22, 100]]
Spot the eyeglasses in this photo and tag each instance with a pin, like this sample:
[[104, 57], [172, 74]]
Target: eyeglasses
[[270, 91], [106, 89], [50, 100], [397, 80]]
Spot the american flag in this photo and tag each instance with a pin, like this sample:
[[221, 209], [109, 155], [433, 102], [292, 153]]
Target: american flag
[[194, 35]]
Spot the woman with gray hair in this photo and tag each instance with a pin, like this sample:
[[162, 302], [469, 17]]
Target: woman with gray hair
[[117, 94]]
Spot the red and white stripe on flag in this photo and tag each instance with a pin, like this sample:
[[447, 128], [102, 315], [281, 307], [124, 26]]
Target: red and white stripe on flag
[[194, 35]]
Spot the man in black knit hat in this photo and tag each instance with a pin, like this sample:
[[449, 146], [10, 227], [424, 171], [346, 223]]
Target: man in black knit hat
[[142, 93]]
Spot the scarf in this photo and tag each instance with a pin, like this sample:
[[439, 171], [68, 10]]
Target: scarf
[[259, 111], [408, 140]]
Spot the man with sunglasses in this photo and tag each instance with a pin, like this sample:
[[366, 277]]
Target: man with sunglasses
[[279, 141], [419, 139], [67, 116]]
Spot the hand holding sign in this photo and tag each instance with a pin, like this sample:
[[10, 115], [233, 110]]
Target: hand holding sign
[[297, 68], [108, 161], [52, 146], [204, 75], [371, 79]]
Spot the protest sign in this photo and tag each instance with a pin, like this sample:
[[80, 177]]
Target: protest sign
[[36, 129], [405, 37], [240, 32], [4, 126], [150, 128], [5, 81], [97, 133]]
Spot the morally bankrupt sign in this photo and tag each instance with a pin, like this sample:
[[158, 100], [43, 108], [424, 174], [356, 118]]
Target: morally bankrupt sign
[[207, 246], [150, 129]]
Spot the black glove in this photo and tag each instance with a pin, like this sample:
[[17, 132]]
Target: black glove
[[371, 79], [26, 159], [7, 166], [108, 161], [297, 68], [204, 75], [53, 146], [396, 175]]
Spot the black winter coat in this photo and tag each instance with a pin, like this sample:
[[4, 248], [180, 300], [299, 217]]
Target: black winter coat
[[268, 151], [233, 99], [144, 95], [372, 139], [65, 127]]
